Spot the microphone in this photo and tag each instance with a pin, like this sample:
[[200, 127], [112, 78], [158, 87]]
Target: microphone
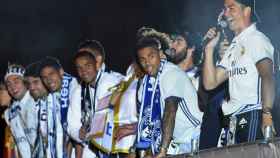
[[220, 26], [221, 21]]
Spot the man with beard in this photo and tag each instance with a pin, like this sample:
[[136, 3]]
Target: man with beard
[[21, 116], [34, 82], [169, 115], [60, 86], [248, 64], [187, 54], [39, 94], [84, 106]]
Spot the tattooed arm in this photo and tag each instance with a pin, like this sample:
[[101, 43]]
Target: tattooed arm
[[168, 123]]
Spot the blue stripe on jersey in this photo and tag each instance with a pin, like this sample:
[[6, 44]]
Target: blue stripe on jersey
[[221, 66], [184, 111], [258, 90], [256, 124], [196, 121], [191, 119], [194, 118], [251, 127], [265, 58], [247, 108]]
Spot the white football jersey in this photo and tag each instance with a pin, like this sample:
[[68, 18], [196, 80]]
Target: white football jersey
[[175, 82], [246, 50], [107, 80]]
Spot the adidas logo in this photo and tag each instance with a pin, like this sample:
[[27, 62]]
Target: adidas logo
[[242, 122]]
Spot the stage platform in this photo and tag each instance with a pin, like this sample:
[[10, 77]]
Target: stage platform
[[251, 150]]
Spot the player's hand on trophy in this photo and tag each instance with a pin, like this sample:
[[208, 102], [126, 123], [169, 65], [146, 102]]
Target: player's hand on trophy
[[267, 122], [211, 39], [223, 46], [82, 133]]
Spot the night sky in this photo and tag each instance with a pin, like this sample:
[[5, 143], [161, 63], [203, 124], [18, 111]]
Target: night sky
[[30, 30]]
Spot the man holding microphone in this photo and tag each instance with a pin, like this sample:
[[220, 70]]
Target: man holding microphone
[[248, 64]]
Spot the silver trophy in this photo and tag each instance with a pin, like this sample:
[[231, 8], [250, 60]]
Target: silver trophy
[[86, 117], [268, 133]]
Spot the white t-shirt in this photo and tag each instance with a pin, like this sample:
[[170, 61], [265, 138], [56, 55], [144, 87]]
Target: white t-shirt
[[175, 82], [246, 50]]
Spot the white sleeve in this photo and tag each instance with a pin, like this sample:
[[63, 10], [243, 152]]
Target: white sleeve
[[224, 62], [73, 86], [261, 49], [174, 83], [74, 115]]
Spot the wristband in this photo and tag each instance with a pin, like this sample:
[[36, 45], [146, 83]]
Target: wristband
[[266, 111]]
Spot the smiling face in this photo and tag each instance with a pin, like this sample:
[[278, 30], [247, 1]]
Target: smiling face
[[36, 87], [149, 59], [98, 57], [16, 86], [237, 15], [86, 68], [52, 78]]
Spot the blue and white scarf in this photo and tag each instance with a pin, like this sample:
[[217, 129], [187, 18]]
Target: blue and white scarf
[[149, 126], [64, 98], [43, 122], [52, 116], [64, 104], [52, 128]]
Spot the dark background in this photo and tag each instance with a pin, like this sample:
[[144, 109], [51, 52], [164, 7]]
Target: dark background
[[33, 29]]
